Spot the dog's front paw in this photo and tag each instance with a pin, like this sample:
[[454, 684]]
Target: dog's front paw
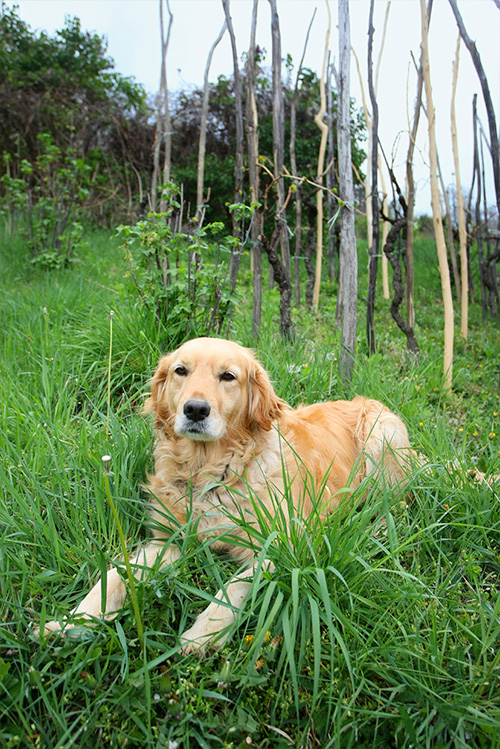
[[196, 640], [71, 630], [193, 646], [49, 628], [205, 634]]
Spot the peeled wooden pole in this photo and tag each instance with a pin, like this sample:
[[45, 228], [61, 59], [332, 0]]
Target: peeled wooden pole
[[240, 138], [385, 231], [167, 124], [252, 130], [462, 231], [385, 225], [348, 253], [293, 165], [367, 184], [370, 145], [321, 168], [449, 232], [203, 125], [279, 138], [374, 239], [163, 125], [436, 211], [410, 182]]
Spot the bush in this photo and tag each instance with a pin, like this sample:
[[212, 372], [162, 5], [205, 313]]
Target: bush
[[47, 194], [180, 276]]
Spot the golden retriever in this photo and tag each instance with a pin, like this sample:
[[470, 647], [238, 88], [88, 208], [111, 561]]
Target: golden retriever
[[220, 429]]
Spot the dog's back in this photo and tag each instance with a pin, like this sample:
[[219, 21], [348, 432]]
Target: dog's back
[[344, 441]]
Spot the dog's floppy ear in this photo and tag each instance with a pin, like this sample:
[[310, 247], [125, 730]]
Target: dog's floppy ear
[[264, 405], [156, 404]]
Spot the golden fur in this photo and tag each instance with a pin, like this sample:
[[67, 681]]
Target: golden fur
[[220, 429], [254, 434]]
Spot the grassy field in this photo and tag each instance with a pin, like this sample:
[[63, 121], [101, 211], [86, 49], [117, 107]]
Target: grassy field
[[379, 627]]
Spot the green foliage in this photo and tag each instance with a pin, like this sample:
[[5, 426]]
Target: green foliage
[[43, 203], [64, 87], [72, 62], [221, 135], [424, 226], [180, 276]]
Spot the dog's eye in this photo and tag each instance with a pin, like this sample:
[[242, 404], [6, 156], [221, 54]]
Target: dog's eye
[[180, 370], [227, 376]]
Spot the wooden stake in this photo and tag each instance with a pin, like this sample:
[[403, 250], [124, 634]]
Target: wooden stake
[[436, 211], [462, 231]]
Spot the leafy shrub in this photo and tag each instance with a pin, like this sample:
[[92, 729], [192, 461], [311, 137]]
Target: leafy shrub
[[180, 276], [47, 193], [65, 84]]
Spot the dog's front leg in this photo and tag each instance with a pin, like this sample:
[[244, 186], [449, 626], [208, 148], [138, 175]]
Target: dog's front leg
[[90, 608], [207, 630]]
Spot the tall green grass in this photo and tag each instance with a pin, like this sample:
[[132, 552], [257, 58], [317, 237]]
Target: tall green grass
[[377, 627]]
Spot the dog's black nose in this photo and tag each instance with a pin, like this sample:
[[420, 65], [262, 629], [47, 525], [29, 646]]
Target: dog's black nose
[[196, 410]]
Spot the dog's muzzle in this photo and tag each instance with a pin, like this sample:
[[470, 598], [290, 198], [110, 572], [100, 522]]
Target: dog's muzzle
[[194, 422]]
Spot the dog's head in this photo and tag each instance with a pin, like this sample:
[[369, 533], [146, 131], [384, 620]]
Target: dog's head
[[211, 387]]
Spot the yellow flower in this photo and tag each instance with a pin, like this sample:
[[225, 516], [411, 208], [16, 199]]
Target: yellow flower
[[267, 637], [249, 639], [492, 435], [259, 663], [421, 423], [447, 507]]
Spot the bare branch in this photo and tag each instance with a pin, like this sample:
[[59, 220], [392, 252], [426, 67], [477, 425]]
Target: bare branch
[[476, 59]]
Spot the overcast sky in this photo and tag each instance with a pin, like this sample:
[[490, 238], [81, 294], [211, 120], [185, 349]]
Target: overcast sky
[[132, 30]]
